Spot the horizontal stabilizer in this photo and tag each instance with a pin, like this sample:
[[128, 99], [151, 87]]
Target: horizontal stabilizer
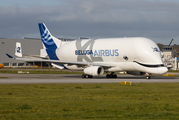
[[9, 55]]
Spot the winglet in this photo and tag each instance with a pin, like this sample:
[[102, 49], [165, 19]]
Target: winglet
[[57, 66], [9, 55]]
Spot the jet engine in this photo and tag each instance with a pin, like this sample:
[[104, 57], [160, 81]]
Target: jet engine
[[94, 70], [135, 73]]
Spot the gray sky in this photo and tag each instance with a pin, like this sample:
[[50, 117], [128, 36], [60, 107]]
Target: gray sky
[[154, 19]]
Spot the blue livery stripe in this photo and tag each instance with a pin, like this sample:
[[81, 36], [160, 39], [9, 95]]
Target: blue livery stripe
[[9, 55], [46, 37], [48, 42], [51, 53]]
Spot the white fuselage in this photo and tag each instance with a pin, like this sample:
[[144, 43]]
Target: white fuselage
[[123, 54]]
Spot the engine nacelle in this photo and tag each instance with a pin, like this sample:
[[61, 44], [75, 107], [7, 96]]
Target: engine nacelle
[[94, 70], [135, 73]]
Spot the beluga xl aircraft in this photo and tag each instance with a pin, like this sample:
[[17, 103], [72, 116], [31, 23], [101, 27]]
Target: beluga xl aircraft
[[135, 55]]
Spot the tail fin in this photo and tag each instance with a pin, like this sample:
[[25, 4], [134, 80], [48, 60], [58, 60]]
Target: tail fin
[[18, 49], [49, 41]]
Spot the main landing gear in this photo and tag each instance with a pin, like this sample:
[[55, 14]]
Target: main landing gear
[[86, 76], [112, 75]]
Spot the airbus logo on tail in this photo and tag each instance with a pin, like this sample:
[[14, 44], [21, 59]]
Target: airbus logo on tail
[[46, 37]]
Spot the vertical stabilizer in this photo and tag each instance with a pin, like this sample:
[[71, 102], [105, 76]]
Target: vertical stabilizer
[[49, 41], [18, 49], [46, 37]]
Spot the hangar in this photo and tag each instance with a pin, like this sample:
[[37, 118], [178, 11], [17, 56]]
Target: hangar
[[30, 46]]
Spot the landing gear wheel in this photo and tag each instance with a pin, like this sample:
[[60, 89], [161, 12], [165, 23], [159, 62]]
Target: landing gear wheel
[[111, 75], [86, 76], [115, 76], [90, 76], [107, 76], [83, 76], [147, 77]]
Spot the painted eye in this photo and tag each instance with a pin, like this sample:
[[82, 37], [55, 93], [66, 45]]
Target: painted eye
[[125, 57]]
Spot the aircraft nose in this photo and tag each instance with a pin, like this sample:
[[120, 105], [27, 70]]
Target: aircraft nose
[[162, 70]]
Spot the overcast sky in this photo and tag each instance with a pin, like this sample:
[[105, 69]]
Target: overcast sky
[[154, 19]]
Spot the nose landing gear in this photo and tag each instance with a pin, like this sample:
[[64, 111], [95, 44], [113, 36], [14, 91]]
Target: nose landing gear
[[147, 76]]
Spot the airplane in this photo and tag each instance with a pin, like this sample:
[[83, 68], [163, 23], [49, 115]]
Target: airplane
[[18, 49], [18, 52], [135, 55]]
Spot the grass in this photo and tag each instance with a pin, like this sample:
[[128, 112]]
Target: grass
[[89, 101], [3, 77], [37, 71], [173, 71]]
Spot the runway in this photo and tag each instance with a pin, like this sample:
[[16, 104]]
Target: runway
[[73, 78]]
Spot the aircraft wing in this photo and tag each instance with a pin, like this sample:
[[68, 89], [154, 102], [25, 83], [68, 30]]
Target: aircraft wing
[[62, 62], [34, 56]]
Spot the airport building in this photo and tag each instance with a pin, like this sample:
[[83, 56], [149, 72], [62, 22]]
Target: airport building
[[29, 46], [170, 57]]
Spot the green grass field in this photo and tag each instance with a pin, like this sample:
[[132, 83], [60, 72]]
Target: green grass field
[[89, 101], [40, 71]]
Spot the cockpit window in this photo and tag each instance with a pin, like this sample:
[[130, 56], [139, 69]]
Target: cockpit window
[[145, 65]]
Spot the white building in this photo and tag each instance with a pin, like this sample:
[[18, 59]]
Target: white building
[[169, 59]]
